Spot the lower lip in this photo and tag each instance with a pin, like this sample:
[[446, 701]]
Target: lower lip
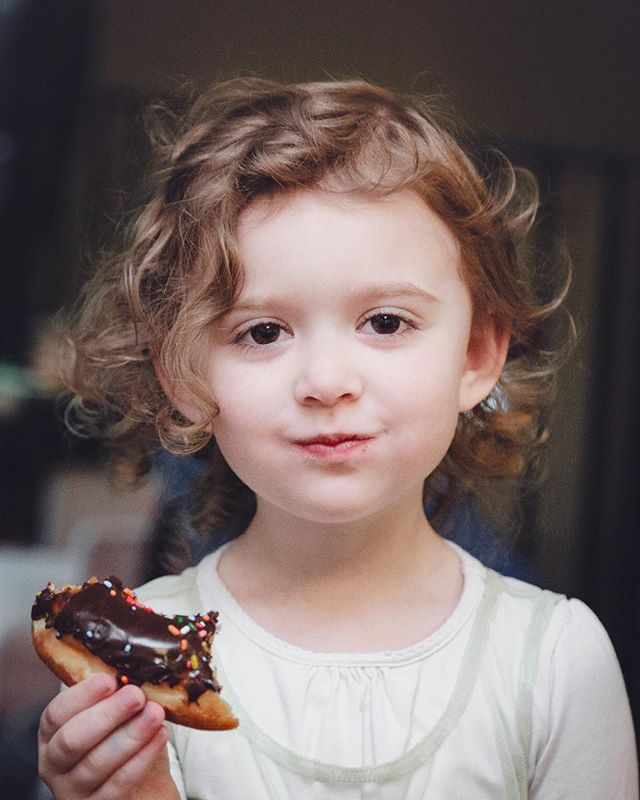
[[334, 452]]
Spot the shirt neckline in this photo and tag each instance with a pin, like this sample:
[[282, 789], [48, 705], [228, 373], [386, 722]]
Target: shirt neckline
[[215, 594]]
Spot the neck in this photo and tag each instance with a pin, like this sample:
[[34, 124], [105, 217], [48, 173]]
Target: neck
[[381, 583], [377, 552]]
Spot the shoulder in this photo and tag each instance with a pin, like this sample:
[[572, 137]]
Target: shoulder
[[549, 635], [571, 692], [579, 699], [565, 635], [577, 661], [516, 609], [575, 632]]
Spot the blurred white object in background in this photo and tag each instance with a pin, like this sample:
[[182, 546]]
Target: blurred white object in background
[[74, 494], [23, 572], [88, 527]]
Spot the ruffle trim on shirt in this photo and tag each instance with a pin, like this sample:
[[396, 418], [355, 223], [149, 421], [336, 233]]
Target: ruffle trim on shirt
[[420, 752], [210, 585]]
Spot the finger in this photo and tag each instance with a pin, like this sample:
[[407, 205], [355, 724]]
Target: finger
[[123, 781], [117, 749], [72, 701], [85, 730]]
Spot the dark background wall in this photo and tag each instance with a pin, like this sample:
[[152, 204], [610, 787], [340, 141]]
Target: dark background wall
[[554, 83], [561, 73]]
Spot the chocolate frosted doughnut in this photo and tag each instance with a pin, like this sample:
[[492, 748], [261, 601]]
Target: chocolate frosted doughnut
[[102, 627]]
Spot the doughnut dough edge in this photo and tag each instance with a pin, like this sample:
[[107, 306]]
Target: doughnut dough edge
[[72, 663]]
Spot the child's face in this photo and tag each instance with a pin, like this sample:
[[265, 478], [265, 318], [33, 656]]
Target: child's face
[[342, 369]]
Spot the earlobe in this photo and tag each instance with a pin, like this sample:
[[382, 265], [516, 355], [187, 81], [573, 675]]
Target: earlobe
[[486, 355]]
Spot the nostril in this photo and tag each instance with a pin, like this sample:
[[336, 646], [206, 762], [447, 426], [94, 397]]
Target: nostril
[[327, 375]]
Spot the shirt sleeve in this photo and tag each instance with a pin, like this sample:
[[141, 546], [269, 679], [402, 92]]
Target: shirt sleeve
[[174, 767], [583, 743]]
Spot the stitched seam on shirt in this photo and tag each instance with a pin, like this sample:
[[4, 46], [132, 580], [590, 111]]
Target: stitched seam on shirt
[[421, 751], [538, 625]]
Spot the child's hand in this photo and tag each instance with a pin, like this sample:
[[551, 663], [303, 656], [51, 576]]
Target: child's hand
[[97, 742]]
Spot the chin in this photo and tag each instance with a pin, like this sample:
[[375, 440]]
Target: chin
[[339, 502]]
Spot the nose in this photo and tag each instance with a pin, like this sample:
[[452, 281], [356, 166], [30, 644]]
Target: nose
[[327, 374]]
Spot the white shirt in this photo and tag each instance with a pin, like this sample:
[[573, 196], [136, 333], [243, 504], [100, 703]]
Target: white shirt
[[517, 695]]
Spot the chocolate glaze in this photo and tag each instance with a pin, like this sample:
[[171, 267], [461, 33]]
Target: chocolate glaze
[[141, 645]]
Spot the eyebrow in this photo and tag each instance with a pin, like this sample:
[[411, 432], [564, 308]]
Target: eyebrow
[[402, 289], [369, 293]]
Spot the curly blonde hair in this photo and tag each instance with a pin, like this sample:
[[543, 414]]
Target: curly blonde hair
[[150, 308]]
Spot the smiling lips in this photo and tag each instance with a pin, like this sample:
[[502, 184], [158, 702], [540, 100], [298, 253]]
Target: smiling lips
[[333, 446]]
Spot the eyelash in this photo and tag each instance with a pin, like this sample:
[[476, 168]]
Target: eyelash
[[241, 338], [410, 324]]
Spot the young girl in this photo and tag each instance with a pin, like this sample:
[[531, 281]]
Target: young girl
[[329, 294]]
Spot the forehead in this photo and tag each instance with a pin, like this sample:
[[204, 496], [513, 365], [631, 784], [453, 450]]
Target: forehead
[[311, 232]]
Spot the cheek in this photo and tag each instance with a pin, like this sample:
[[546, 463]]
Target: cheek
[[427, 408], [237, 392], [236, 420], [432, 408], [429, 384], [245, 411], [235, 442]]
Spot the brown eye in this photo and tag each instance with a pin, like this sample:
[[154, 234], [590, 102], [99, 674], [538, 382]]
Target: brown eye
[[265, 332], [385, 323]]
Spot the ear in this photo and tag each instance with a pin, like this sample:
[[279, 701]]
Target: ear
[[486, 354]]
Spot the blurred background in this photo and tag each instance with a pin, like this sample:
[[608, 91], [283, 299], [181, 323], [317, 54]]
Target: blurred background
[[554, 84]]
